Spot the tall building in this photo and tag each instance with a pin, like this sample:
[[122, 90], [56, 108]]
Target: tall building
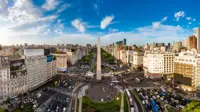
[[177, 46], [192, 42], [99, 60], [36, 64], [197, 34]]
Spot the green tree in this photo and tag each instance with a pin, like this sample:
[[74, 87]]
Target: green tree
[[194, 106]]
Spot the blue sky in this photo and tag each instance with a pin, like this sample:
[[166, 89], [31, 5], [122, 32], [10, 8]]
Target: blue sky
[[82, 21]]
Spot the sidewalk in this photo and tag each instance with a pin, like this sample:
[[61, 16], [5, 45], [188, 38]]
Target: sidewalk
[[80, 105], [122, 102]]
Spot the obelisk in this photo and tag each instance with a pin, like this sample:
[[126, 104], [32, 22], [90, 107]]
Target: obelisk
[[98, 75]]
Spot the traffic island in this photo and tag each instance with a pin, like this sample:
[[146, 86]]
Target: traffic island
[[113, 105]]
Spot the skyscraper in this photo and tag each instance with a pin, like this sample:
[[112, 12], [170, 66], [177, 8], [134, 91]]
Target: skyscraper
[[197, 34], [98, 60]]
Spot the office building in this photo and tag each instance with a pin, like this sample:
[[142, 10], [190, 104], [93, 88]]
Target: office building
[[36, 64], [197, 34], [192, 42]]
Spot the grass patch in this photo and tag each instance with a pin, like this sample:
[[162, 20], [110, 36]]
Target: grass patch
[[111, 106], [125, 103], [169, 109], [106, 68], [2, 110]]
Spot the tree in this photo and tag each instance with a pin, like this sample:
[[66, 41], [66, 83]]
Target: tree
[[194, 106]]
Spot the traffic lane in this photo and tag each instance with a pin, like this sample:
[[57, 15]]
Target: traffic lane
[[137, 102], [72, 105]]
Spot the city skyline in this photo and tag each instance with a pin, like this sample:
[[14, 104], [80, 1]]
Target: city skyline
[[81, 22]]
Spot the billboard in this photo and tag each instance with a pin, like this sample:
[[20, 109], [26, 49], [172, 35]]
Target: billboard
[[17, 68], [62, 69]]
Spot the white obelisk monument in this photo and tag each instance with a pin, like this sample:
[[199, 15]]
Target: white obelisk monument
[[99, 60]]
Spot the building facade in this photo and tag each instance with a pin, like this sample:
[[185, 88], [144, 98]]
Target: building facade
[[158, 64], [184, 70], [192, 42], [51, 66], [61, 60], [197, 34], [36, 64]]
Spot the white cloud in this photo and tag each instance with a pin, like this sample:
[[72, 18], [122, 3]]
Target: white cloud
[[179, 14], [63, 7], [164, 19], [194, 19], [50, 5], [156, 24], [139, 36], [32, 24], [21, 11], [72, 39], [188, 18], [106, 21], [78, 25], [112, 30], [3, 8], [59, 27], [190, 23]]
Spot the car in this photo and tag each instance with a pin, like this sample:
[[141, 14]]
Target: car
[[158, 96], [146, 101], [143, 102]]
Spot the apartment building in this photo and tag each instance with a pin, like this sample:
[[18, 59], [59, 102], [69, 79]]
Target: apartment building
[[36, 64], [18, 77], [136, 59], [13, 77], [4, 77], [168, 63], [184, 70], [157, 64], [73, 57], [197, 75]]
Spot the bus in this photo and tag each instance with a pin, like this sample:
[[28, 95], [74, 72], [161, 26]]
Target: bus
[[130, 100], [154, 106]]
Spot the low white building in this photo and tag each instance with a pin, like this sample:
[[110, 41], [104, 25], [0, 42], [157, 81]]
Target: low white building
[[157, 64]]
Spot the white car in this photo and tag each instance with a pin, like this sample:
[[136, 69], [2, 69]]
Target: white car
[[143, 102]]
